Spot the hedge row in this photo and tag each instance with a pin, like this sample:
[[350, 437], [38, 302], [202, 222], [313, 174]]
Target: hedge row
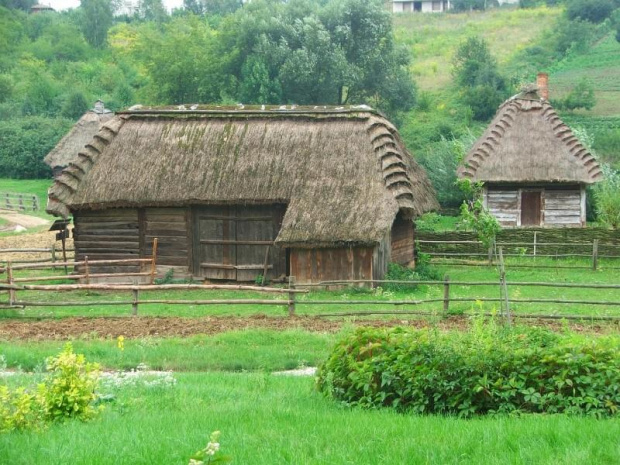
[[488, 370]]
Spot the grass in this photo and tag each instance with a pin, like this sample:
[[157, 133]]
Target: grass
[[250, 350], [433, 39], [38, 187], [266, 419]]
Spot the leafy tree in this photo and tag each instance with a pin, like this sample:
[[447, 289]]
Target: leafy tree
[[25, 142], [595, 11], [475, 216], [468, 5], [75, 105], [152, 10], [6, 87], [475, 72], [96, 20], [256, 84], [17, 4]]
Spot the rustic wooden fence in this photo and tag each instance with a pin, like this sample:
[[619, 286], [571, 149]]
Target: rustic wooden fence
[[55, 254], [19, 202], [293, 304], [453, 252]]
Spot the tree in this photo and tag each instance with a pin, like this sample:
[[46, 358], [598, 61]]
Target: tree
[[342, 52], [152, 10], [475, 72], [75, 105], [595, 11], [95, 21]]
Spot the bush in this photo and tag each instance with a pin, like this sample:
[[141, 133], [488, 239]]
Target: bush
[[594, 11], [68, 391], [487, 370]]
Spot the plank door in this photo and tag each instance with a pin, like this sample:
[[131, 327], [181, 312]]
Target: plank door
[[255, 233], [216, 233], [531, 208]]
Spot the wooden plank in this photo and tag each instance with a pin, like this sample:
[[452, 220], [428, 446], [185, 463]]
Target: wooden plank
[[108, 213], [106, 225], [81, 244], [166, 226]]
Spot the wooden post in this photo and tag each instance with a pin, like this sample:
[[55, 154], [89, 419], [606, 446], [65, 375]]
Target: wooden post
[[446, 295], [35, 203], [9, 280], [291, 296], [535, 236], [595, 254], [134, 305], [64, 249], [504, 288], [266, 265], [53, 256], [154, 262], [86, 270], [20, 202]]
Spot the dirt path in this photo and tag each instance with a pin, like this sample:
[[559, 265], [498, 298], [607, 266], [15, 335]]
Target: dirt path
[[26, 221], [135, 327]]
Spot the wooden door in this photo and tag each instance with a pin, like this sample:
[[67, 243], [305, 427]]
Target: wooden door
[[216, 234], [232, 242], [531, 208]]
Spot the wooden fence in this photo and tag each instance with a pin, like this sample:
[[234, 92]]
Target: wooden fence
[[55, 254], [19, 202], [454, 250]]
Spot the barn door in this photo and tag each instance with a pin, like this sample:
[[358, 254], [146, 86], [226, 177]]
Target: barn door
[[531, 208], [233, 242], [216, 234]]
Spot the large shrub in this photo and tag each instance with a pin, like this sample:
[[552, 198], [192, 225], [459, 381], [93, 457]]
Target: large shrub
[[488, 370]]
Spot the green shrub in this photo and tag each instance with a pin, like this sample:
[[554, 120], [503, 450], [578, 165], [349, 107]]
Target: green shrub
[[422, 272], [487, 370], [20, 409], [69, 388]]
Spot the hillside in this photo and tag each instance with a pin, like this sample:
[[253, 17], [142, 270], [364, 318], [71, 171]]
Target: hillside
[[433, 38]]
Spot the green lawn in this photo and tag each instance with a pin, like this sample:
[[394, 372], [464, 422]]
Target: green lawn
[[38, 187], [266, 419]]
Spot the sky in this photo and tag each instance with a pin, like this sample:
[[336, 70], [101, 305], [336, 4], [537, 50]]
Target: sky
[[66, 4]]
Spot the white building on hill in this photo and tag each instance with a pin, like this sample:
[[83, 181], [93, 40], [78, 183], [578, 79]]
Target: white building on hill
[[425, 6]]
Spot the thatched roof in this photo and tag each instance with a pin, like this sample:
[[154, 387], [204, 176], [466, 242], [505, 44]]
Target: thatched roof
[[527, 142], [80, 134], [344, 172]]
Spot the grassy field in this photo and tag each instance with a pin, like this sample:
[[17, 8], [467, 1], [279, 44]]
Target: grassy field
[[38, 187], [266, 419], [433, 39]]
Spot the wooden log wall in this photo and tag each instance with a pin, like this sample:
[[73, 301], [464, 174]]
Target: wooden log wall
[[314, 265], [562, 208], [107, 235], [402, 241], [503, 204], [171, 228]]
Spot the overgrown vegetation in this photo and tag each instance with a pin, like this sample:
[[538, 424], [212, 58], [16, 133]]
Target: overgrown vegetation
[[488, 370]]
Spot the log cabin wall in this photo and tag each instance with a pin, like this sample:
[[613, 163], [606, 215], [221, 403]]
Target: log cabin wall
[[402, 242], [382, 255], [560, 205], [107, 235], [315, 265], [172, 228]]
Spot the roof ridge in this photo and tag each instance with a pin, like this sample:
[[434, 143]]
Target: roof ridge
[[69, 179]]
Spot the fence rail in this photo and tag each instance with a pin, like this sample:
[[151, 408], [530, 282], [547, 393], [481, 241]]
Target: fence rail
[[54, 253], [448, 252], [19, 202]]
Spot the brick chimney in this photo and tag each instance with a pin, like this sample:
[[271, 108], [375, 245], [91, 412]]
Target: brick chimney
[[542, 81]]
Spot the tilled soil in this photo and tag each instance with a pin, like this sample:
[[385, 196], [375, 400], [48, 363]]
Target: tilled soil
[[136, 327]]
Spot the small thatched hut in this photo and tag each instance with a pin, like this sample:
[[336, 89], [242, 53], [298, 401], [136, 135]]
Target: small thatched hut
[[80, 134], [316, 193], [534, 169]]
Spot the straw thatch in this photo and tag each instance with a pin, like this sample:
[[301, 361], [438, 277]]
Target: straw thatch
[[80, 134], [527, 142], [344, 173]]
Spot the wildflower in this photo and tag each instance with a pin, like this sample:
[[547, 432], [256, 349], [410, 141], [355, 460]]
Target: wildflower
[[213, 446], [195, 462], [120, 342]]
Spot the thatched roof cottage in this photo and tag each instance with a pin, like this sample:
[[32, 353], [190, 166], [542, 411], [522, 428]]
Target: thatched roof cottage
[[331, 192], [535, 171], [80, 134]]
